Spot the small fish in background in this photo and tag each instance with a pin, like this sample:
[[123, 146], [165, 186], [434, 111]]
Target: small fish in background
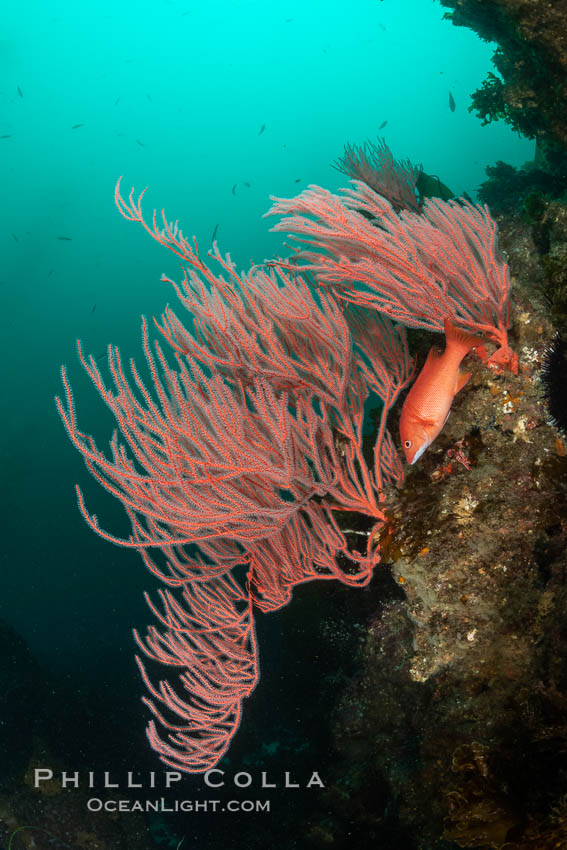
[[64, 238], [262, 128], [50, 272], [20, 91], [288, 20], [117, 101], [15, 237], [215, 232], [247, 184], [76, 126], [234, 188], [94, 308], [298, 179], [149, 97], [138, 142], [452, 104], [382, 125], [6, 136]]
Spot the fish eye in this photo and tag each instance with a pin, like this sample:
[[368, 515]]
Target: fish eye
[[407, 444]]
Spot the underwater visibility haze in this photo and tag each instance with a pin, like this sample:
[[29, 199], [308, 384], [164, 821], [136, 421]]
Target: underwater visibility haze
[[296, 428]]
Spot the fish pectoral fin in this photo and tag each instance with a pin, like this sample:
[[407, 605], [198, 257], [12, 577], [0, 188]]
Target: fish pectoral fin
[[433, 355], [462, 379], [430, 366]]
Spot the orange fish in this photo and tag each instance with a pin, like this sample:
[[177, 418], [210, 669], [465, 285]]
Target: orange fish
[[429, 401]]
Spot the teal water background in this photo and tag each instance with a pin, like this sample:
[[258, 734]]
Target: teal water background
[[172, 95]]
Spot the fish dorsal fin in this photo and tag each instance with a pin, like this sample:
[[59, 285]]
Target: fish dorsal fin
[[462, 379]]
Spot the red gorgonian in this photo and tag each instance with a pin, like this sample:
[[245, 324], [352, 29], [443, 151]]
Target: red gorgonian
[[233, 465], [240, 455], [374, 164], [418, 268]]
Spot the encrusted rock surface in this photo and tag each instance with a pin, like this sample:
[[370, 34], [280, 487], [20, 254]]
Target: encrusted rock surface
[[459, 708]]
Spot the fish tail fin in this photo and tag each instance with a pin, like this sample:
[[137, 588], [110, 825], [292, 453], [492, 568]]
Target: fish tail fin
[[460, 341]]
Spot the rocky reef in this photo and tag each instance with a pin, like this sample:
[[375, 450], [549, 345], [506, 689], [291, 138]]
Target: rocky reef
[[529, 91], [452, 732], [457, 712]]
